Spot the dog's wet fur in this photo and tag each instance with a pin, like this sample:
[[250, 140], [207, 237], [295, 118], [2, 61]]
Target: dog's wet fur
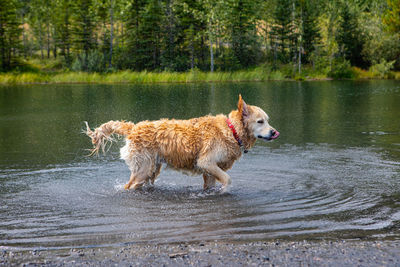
[[204, 145]]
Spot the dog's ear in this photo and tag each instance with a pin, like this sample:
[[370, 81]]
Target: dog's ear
[[242, 107]]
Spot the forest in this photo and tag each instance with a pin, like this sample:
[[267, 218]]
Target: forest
[[327, 38]]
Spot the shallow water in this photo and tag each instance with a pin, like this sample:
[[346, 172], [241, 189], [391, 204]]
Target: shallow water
[[333, 173]]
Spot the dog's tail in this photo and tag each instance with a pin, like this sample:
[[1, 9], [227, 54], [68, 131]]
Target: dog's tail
[[103, 134]]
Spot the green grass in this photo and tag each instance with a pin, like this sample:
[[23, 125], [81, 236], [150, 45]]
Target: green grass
[[263, 73], [144, 77], [373, 73]]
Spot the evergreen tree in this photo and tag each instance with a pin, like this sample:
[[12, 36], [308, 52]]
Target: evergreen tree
[[212, 17], [133, 22], [204, 34], [150, 32], [62, 24], [102, 12], [190, 33], [243, 31], [9, 33], [349, 35], [83, 29], [168, 42], [282, 30], [37, 21], [108, 11], [309, 31]]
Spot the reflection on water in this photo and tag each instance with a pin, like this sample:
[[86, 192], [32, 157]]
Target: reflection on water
[[333, 173]]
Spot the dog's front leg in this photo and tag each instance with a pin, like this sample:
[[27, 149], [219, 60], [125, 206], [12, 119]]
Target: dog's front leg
[[209, 181], [215, 171]]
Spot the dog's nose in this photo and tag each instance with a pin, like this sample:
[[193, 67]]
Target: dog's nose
[[274, 134]]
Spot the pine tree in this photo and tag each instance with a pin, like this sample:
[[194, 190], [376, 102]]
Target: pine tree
[[150, 36], [168, 42], [63, 11], [309, 31], [349, 36], [189, 34], [37, 19], [212, 17], [83, 29], [132, 34], [9, 33], [240, 23], [282, 29]]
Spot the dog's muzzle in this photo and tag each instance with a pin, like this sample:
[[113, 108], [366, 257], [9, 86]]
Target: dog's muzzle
[[273, 134]]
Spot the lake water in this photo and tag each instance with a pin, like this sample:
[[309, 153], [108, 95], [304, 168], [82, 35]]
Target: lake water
[[334, 172]]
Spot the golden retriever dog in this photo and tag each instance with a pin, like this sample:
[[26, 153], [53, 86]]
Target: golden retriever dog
[[207, 145]]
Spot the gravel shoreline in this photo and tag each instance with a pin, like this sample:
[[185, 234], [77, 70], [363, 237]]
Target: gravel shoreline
[[270, 253]]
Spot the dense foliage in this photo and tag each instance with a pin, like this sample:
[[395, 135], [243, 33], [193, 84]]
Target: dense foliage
[[226, 35]]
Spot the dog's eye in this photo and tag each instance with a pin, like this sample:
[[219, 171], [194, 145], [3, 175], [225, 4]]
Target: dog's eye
[[260, 121]]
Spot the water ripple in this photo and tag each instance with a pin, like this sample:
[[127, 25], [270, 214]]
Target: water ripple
[[316, 190]]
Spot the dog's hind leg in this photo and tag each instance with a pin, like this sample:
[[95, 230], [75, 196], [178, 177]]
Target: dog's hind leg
[[156, 172], [131, 181], [142, 167], [135, 181], [209, 181]]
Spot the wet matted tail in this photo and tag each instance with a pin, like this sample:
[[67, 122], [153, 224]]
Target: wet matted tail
[[103, 134]]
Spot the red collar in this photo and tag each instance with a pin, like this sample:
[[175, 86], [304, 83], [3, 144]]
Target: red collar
[[230, 125]]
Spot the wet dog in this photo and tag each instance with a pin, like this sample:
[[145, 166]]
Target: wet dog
[[207, 145]]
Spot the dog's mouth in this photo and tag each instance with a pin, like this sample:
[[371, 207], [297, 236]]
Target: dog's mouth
[[272, 136]]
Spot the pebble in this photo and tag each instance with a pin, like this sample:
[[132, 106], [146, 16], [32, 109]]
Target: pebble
[[269, 253]]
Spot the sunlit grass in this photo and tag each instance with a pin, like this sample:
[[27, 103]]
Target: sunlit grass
[[46, 64], [22, 78], [144, 77], [363, 74]]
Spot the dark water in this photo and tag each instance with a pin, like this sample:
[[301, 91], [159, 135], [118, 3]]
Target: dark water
[[333, 173]]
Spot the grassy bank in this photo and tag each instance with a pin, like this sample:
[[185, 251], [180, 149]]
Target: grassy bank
[[138, 77], [256, 74]]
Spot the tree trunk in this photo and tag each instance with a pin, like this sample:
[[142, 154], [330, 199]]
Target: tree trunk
[[275, 54], [48, 41], [41, 50], [54, 49], [111, 32], [211, 55], [122, 34], [2, 47], [191, 55], [301, 38], [191, 47], [104, 41], [54, 38], [300, 48], [24, 37], [41, 42]]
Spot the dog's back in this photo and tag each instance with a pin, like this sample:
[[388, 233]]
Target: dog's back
[[179, 143]]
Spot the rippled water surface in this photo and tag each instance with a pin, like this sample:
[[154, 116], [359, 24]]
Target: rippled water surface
[[333, 173]]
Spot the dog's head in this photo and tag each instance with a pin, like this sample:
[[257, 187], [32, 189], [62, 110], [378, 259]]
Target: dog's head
[[255, 120]]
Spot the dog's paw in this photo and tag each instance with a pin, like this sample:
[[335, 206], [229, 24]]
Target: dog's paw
[[225, 189], [126, 187]]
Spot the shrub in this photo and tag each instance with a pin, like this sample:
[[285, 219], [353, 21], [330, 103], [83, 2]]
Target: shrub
[[341, 69], [382, 70], [93, 62]]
